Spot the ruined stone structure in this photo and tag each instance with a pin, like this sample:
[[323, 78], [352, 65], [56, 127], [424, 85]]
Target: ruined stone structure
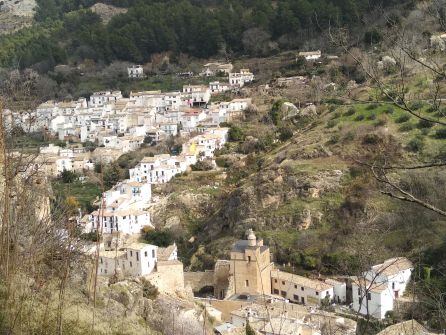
[[223, 282]]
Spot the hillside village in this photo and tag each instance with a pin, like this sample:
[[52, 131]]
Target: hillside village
[[119, 125], [286, 193], [249, 278]]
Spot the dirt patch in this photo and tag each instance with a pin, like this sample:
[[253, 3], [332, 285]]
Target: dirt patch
[[106, 12]]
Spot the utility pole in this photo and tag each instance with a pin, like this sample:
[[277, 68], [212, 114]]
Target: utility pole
[[173, 323], [4, 195]]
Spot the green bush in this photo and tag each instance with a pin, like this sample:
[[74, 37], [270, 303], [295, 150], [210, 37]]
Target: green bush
[[275, 113], [415, 145], [98, 167], [202, 166], [371, 139], [91, 236], [149, 290], [371, 117], [350, 136], [431, 109], [285, 133], [439, 114], [425, 131], [222, 162], [372, 37], [415, 105], [235, 134], [372, 106], [68, 177], [440, 133], [403, 118], [334, 101], [335, 115], [359, 117], [406, 127], [424, 124], [441, 155], [331, 123], [112, 175], [389, 110], [161, 238], [351, 111], [382, 121], [333, 139]]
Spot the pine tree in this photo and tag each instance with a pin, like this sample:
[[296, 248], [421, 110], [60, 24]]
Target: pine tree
[[249, 330]]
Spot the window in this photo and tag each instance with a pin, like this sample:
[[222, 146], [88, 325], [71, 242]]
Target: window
[[247, 283], [359, 291], [145, 253], [369, 296], [283, 294], [296, 297], [275, 280], [130, 264], [276, 291], [137, 256], [131, 253], [317, 293], [393, 286], [153, 253], [302, 288], [249, 258], [295, 286], [101, 260], [283, 282]]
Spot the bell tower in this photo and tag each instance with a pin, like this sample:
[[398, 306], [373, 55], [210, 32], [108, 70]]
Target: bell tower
[[251, 266]]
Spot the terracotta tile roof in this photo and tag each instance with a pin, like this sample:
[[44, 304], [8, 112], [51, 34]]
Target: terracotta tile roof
[[164, 253], [301, 281], [410, 327], [393, 266]]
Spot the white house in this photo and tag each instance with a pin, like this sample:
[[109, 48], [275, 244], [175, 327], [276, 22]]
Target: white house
[[63, 164], [170, 128], [218, 87], [236, 105], [374, 299], [300, 289], [137, 259], [196, 95], [339, 290], [212, 69], [239, 79], [135, 72], [99, 99], [124, 209], [158, 169], [375, 292], [130, 143], [310, 55], [191, 117], [395, 272]]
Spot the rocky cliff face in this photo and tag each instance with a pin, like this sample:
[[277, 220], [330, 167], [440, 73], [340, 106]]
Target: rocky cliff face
[[261, 202]]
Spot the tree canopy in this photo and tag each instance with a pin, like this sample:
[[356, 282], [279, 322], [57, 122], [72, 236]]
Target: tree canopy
[[69, 30]]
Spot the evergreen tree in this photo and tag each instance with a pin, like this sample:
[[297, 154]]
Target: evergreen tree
[[249, 330]]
